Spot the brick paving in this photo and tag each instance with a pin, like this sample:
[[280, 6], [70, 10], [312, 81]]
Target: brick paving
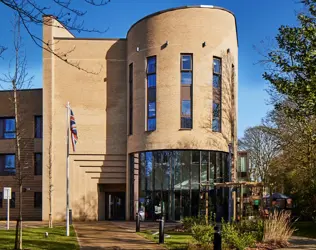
[[110, 235]]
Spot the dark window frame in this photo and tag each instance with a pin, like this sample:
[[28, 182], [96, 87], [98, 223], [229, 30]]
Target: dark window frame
[[131, 101], [36, 127], [186, 121], [6, 171], [217, 95], [182, 70], [219, 74], [38, 203], [3, 132], [1, 199], [35, 164], [152, 88]]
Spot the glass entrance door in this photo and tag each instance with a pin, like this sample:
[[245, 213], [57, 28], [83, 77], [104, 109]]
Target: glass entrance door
[[115, 206]]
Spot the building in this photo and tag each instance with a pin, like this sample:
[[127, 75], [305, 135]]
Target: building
[[243, 162], [155, 115], [31, 153]]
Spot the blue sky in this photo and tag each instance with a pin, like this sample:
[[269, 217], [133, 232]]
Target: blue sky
[[256, 21]]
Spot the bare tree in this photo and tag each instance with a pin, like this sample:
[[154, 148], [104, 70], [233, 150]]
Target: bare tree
[[31, 12], [18, 79], [225, 95], [2, 49], [263, 148]]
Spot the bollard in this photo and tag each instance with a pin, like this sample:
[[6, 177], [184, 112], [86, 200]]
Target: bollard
[[137, 223], [161, 230], [217, 238], [70, 216]]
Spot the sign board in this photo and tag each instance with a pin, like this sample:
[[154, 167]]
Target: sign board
[[7, 193]]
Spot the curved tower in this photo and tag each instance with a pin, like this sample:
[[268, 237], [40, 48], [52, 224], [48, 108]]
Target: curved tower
[[182, 95]]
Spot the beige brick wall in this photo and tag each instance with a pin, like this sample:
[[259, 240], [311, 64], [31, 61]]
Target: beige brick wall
[[185, 29], [30, 106], [98, 101]]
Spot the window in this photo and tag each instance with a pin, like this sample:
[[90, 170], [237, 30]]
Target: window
[[37, 199], [38, 127], [217, 71], [7, 164], [1, 199], [7, 128], [12, 200], [186, 121], [217, 94], [186, 69], [151, 93], [186, 90], [38, 164], [130, 99], [243, 164], [216, 124]]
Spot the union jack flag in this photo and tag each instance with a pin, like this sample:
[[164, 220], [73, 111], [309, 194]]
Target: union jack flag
[[73, 130]]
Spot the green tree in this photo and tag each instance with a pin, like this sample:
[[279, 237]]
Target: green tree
[[291, 67]]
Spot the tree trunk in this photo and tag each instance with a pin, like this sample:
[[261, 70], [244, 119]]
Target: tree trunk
[[16, 243], [18, 159]]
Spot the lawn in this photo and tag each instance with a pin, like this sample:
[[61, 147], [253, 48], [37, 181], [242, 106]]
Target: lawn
[[176, 241], [305, 229], [34, 239]]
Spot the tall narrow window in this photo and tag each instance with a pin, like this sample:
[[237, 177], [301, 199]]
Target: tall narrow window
[[217, 94], [7, 128], [186, 90], [130, 99], [1, 199], [38, 127], [37, 199], [151, 93], [38, 164]]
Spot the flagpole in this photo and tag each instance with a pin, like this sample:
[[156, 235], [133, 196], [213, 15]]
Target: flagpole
[[67, 173]]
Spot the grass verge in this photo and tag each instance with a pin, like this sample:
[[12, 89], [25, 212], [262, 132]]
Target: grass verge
[[305, 229], [34, 239], [177, 240]]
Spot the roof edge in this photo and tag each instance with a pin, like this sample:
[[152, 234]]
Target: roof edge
[[89, 38], [11, 90], [187, 7]]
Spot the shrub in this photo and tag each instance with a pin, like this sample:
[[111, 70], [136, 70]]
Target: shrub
[[277, 228], [233, 238], [203, 234], [254, 227], [189, 222]]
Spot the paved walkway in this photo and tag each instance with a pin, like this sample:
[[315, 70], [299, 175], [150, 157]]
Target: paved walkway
[[110, 235], [301, 243]]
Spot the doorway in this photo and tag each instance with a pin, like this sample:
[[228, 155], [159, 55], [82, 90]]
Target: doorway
[[114, 205]]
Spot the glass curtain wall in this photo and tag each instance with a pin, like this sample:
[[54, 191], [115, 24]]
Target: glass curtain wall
[[169, 183]]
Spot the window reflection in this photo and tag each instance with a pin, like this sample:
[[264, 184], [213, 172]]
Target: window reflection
[[169, 183]]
